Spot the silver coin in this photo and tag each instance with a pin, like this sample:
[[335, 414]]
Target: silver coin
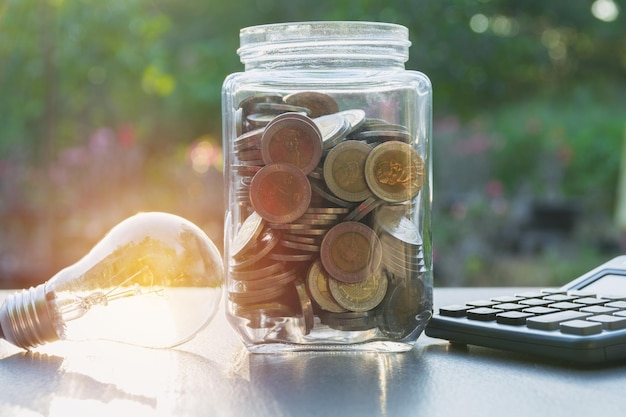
[[394, 220], [356, 118], [247, 233], [333, 127]]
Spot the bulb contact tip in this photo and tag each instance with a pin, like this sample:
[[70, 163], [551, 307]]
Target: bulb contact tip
[[24, 319]]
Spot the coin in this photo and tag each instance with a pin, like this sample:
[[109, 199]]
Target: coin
[[280, 192], [263, 315], [318, 103], [248, 232], [333, 128], [240, 295], [294, 140], [306, 307], [279, 108], [393, 220], [317, 283], [248, 140], [344, 171], [394, 171], [248, 104], [322, 190], [363, 209], [276, 280], [292, 256], [259, 272], [360, 296], [399, 313], [382, 136], [355, 117], [254, 253], [350, 252], [350, 321], [300, 246]]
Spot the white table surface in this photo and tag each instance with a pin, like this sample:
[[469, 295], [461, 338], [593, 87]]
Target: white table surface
[[214, 375]]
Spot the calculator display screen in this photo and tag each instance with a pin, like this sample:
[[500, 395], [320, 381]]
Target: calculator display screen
[[609, 284]]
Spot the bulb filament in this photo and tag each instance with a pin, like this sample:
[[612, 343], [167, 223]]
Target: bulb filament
[[80, 305]]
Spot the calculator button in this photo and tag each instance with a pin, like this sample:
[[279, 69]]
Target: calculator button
[[617, 304], [565, 305], [610, 322], [535, 302], [551, 321], [580, 327], [599, 310], [540, 310], [547, 291], [507, 299], [509, 306], [515, 318], [482, 303], [614, 297], [483, 314], [620, 313], [559, 297], [581, 293], [455, 310], [591, 301], [529, 294]]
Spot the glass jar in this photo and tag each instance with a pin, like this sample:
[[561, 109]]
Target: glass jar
[[327, 164]]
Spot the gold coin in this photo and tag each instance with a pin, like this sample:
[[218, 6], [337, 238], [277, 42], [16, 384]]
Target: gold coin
[[350, 252], [360, 296], [394, 171], [318, 285], [344, 170]]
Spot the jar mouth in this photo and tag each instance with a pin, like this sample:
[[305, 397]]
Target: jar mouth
[[323, 39]]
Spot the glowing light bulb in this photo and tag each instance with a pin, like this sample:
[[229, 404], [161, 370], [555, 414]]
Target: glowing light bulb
[[154, 280]]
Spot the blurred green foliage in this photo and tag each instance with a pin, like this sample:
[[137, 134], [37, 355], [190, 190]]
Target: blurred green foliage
[[102, 104]]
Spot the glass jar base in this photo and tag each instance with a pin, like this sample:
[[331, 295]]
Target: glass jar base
[[379, 346]]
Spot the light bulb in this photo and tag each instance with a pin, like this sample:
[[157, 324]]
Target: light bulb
[[154, 280]]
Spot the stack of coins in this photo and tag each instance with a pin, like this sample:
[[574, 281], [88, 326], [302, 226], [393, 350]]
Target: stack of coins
[[325, 197]]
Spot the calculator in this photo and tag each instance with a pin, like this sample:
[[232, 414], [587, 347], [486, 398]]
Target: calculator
[[584, 321]]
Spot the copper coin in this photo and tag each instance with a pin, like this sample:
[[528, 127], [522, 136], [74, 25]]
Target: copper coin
[[394, 171], [318, 103], [350, 252], [293, 139], [280, 193], [344, 170]]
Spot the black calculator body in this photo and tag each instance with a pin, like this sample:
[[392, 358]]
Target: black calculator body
[[583, 321]]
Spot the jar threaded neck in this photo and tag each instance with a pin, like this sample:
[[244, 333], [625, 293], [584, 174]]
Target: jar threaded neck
[[323, 44]]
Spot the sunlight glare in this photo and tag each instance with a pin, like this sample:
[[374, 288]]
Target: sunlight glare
[[605, 10]]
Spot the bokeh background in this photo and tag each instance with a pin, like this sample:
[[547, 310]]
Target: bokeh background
[[112, 107]]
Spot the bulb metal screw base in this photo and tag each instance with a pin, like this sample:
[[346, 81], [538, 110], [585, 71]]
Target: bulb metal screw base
[[24, 319]]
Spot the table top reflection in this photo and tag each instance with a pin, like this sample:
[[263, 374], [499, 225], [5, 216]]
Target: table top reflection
[[214, 375]]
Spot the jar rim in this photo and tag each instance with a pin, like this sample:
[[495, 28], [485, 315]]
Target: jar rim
[[269, 41]]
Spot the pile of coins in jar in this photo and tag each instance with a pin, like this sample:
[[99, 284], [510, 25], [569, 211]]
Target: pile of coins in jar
[[325, 234]]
